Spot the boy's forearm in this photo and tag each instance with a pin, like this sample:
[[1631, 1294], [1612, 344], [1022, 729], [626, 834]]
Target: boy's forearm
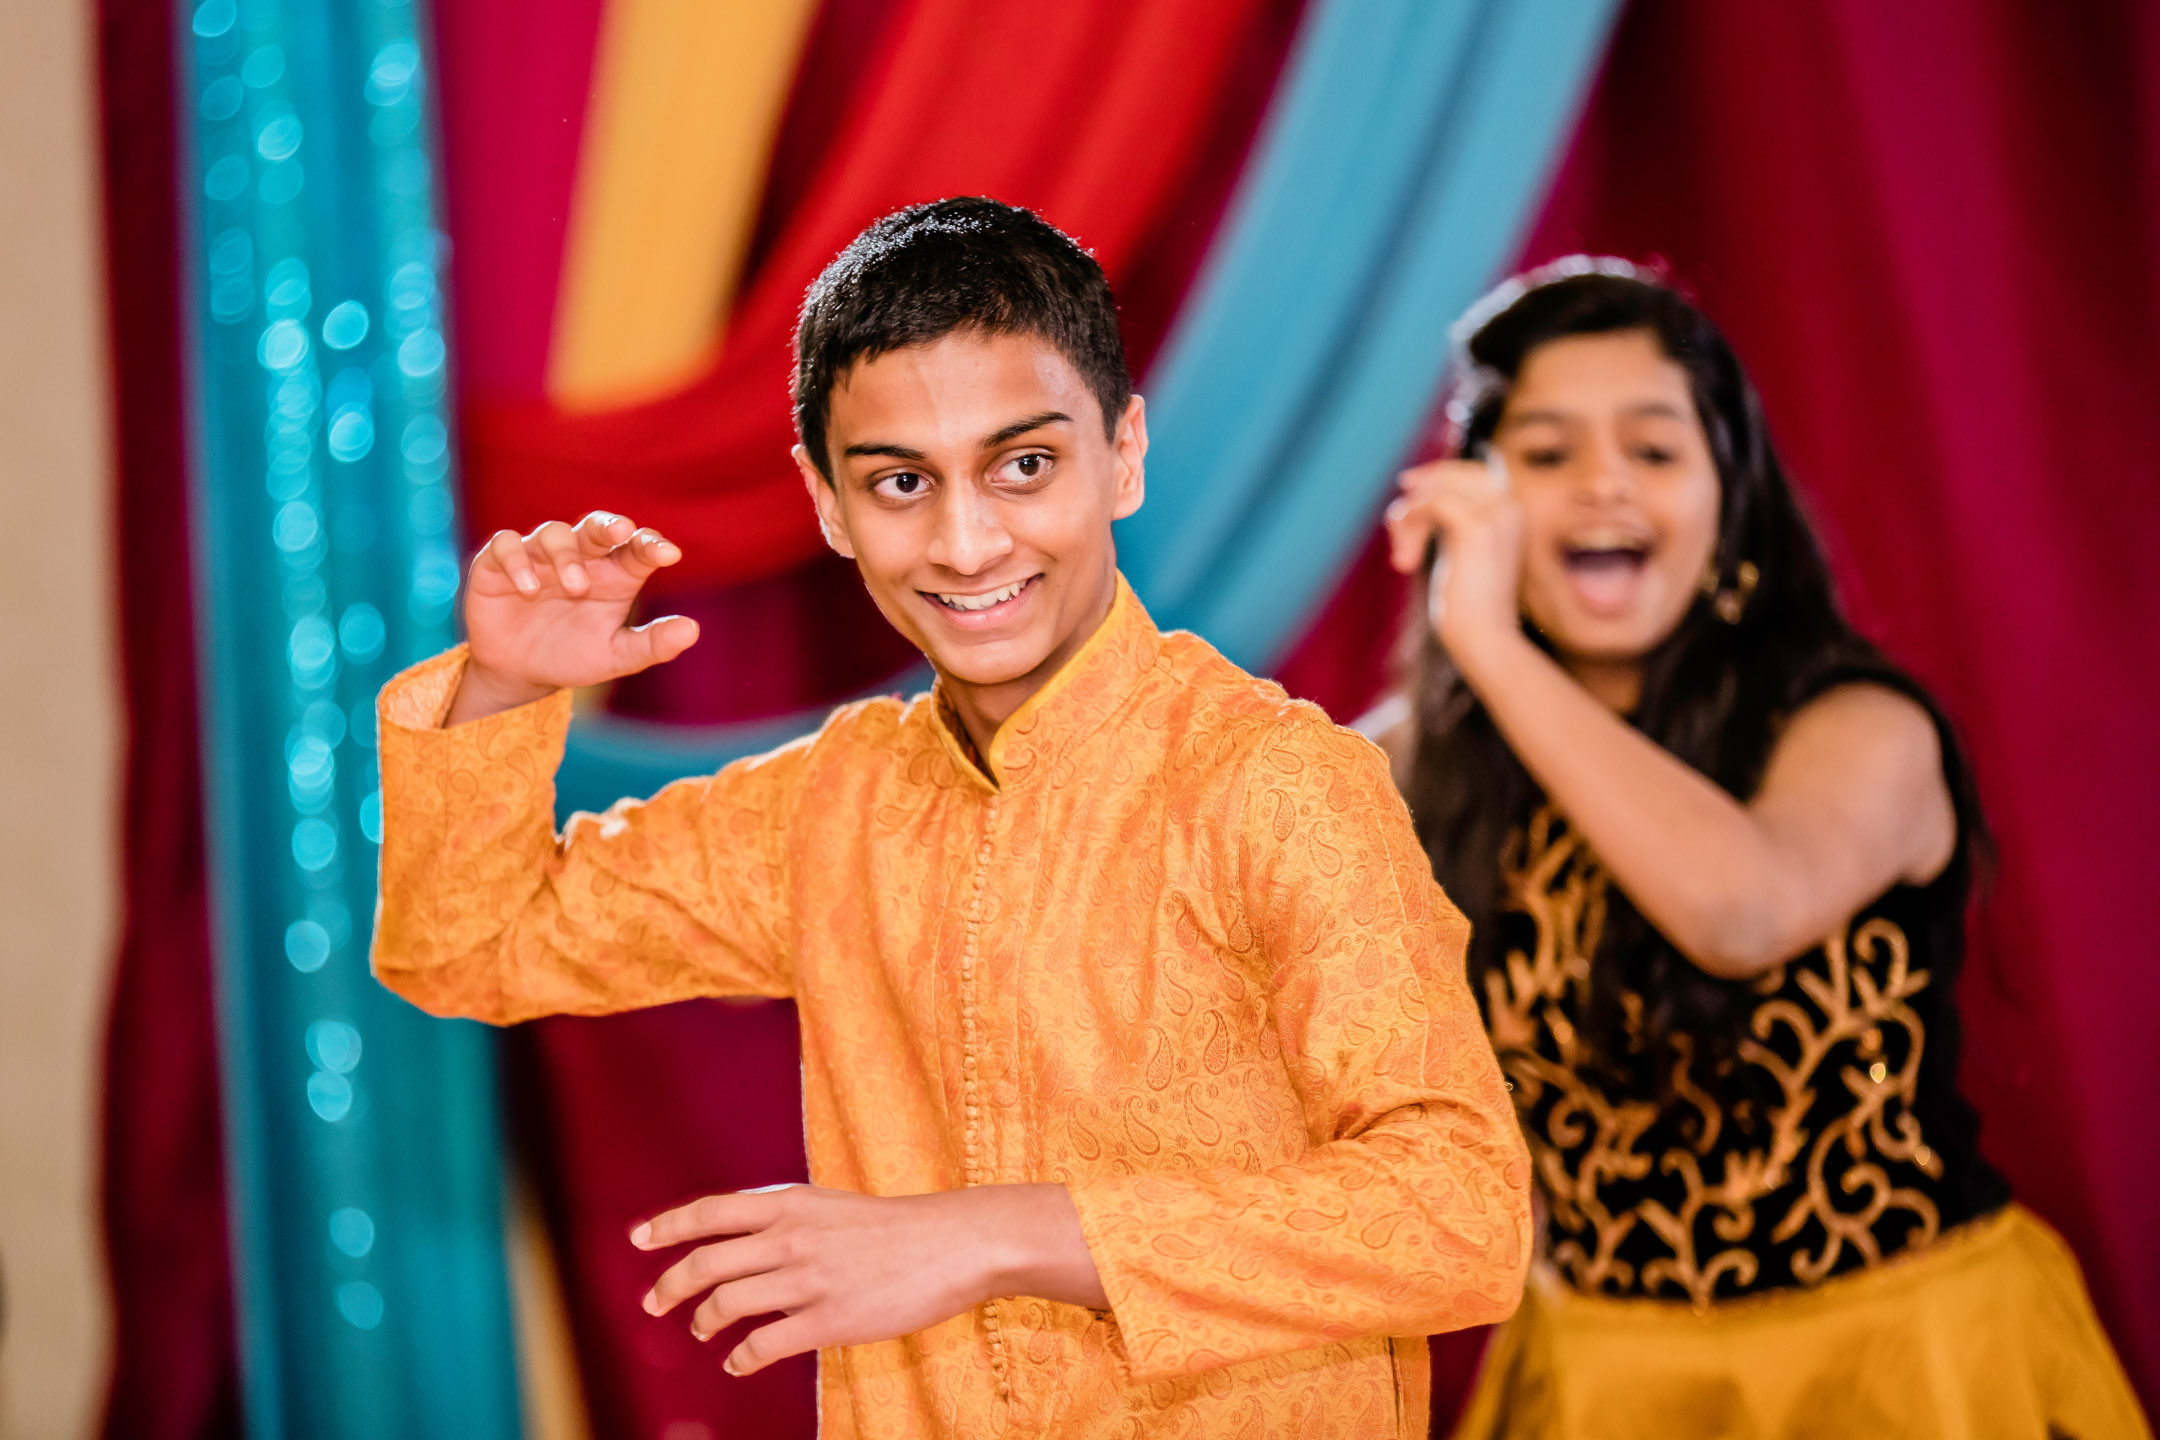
[[482, 692], [1419, 1225], [1033, 1245], [449, 870], [489, 914]]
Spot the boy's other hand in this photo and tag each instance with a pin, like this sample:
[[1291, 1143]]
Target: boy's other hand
[[547, 611], [848, 1269]]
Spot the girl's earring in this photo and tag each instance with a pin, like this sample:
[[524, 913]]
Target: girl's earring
[[1728, 604]]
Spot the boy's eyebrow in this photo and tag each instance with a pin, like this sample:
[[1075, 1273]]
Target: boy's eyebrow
[[908, 453], [884, 447], [1021, 427]]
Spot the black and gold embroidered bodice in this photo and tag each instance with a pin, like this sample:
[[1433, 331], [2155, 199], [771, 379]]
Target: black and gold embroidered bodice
[[1855, 1145]]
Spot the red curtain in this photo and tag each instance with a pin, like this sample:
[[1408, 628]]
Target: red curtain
[[1931, 230], [1093, 112]]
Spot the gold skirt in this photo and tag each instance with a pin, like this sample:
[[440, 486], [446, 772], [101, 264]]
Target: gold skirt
[[1985, 1333]]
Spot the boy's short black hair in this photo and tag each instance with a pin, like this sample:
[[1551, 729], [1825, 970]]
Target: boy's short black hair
[[968, 263]]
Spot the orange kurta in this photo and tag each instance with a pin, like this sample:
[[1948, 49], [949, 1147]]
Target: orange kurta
[[1182, 954]]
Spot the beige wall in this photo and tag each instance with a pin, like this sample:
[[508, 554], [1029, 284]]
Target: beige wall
[[58, 731]]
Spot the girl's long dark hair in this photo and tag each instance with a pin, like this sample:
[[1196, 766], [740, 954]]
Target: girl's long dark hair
[[1714, 692]]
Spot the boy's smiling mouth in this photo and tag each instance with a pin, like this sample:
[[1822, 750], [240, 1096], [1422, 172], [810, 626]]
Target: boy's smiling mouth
[[982, 604]]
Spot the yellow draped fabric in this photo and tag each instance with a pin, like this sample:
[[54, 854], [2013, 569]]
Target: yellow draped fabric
[[1986, 1334], [687, 98], [1174, 944]]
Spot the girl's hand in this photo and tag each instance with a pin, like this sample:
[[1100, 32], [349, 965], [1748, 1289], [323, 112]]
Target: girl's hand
[[1466, 506], [547, 611]]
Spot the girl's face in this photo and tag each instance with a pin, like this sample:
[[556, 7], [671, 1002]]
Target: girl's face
[[1618, 490]]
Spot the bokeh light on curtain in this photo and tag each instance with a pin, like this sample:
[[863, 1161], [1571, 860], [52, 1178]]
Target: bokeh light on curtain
[[363, 1146]]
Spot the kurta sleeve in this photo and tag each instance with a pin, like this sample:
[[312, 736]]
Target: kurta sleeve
[[1410, 1213], [487, 913]]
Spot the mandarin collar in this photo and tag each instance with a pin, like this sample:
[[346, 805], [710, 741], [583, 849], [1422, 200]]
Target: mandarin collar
[[1071, 705]]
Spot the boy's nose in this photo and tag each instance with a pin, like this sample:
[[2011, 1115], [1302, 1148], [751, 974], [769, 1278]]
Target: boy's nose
[[970, 536]]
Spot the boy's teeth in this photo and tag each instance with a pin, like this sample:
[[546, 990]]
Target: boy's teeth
[[982, 602]]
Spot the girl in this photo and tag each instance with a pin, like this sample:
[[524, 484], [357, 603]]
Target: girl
[[1717, 849]]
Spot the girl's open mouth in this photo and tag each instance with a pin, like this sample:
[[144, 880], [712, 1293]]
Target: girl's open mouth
[[1606, 576]]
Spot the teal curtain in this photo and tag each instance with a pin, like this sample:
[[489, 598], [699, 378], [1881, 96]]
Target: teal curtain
[[1401, 162], [1404, 153], [362, 1136]]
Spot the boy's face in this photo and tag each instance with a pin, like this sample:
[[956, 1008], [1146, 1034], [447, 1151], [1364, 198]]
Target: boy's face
[[974, 488]]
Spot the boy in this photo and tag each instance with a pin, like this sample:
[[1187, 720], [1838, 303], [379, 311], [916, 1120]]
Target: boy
[[1144, 1094]]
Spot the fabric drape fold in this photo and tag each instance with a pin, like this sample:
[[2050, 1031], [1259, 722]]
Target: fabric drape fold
[[686, 101], [1089, 112], [1408, 148], [175, 1373], [1402, 155]]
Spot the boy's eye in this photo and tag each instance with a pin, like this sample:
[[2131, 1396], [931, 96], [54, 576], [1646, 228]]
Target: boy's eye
[[1028, 467], [1654, 455], [1544, 457], [903, 486]]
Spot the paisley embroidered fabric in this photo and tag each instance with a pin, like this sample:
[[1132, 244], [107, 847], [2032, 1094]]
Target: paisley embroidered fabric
[[1172, 942], [1858, 1150]]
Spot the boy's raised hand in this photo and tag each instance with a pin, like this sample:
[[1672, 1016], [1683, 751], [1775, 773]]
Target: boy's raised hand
[[547, 611]]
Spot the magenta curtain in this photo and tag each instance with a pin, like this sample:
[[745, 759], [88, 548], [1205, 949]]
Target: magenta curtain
[[1932, 228], [162, 1190]]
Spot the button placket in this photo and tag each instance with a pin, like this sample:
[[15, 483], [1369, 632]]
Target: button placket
[[975, 1171]]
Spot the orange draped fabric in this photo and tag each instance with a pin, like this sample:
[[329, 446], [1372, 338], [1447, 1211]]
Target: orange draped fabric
[[1095, 112], [1174, 945], [686, 101]]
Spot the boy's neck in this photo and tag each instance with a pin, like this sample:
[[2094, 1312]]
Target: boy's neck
[[983, 709]]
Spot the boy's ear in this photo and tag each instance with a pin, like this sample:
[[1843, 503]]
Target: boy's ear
[[1131, 447], [826, 498]]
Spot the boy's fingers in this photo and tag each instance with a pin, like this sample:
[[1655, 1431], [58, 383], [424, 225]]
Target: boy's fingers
[[505, 550], [654, 643], [733, 1300], [710, 1265], [559, 543], [796, 1335], [736, 1214], [601, 531], [645, 552]]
